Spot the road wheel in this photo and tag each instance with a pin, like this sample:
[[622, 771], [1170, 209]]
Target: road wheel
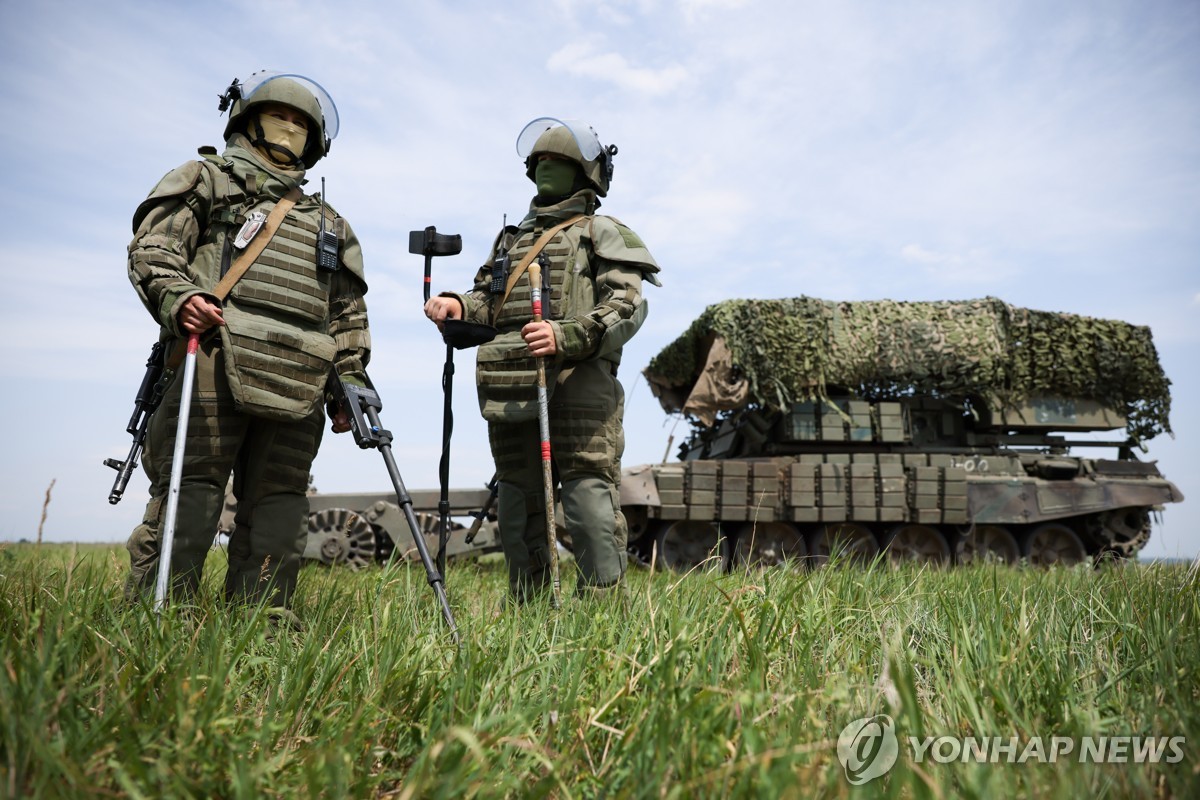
[[685, 544], [1052, 545], [983, 543], [916, 543], [842, 541], [769, 544], [339, 536]]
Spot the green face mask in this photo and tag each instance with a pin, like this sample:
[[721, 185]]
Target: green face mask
[[554, 177]]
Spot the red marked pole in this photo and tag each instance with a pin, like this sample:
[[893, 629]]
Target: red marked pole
[[535, 291], [167, 543]]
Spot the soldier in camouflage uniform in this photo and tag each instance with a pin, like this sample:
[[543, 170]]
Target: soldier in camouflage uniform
[[265, 353], [592, 304]]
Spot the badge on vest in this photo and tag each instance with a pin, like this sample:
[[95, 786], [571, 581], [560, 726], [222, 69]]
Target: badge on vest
[[250, 229]]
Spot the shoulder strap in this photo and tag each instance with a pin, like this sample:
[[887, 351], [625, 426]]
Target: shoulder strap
[[542, 241], [257, 244], [252, 251]]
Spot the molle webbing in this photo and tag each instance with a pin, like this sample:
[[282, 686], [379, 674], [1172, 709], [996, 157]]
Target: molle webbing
[[285, 277], [248, 256], [505, 371], [515, 308], [524, 255], [279, 349], [274, 364], [513, 381], [274, 221]]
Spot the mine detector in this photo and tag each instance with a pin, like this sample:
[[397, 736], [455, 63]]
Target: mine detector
[[944, 432]]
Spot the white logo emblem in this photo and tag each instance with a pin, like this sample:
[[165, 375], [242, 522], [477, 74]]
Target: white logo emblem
[[868, 748]]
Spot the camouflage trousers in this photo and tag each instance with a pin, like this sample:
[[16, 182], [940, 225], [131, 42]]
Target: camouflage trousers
[[270, 463], [586, 443]]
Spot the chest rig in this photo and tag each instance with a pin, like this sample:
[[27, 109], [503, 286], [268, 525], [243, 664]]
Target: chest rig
[[278, 352], [285, 278], [505, 372], [565, 258]]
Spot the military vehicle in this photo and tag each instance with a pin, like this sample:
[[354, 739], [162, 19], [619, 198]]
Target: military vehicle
[[359, 529], [944, 432], [934, 432]]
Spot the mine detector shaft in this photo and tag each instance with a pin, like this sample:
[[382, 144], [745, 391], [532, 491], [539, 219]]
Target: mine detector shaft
[[362, 406], [359, 529], [933, 432]]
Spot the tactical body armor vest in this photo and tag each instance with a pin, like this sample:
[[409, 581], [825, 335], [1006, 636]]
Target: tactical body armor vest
[[277, 348], [505, 371]]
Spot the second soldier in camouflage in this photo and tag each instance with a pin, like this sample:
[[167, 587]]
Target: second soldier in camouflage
[[593, 271]]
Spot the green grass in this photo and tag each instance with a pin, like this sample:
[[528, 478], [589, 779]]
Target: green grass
[[702, 685]]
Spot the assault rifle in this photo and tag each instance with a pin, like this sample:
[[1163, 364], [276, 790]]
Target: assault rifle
[[149, 395]]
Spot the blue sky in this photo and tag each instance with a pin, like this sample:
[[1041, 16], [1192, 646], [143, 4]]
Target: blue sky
[[1044, 153]]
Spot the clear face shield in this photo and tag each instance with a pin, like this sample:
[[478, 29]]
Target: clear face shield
[[246, 89], [585, 137]]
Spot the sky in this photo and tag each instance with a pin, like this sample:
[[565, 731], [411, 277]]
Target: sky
[[1044, 153]]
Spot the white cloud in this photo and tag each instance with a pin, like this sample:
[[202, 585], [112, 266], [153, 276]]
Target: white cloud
[[695, 11], [955, 271], [583, 59]]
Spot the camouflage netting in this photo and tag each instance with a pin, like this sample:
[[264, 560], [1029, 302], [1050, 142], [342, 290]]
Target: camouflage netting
[[772, 353]]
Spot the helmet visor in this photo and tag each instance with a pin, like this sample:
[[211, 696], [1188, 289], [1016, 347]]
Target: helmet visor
[[585, 137], [328, 109]]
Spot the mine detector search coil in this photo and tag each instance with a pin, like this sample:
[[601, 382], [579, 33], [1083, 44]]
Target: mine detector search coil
[[362, 406], [149, 395], [457, 334]]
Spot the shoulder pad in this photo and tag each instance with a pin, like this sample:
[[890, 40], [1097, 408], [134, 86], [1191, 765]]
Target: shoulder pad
[[352, 258], [178, 180], [312, 203], [613, 240], [175, 183]]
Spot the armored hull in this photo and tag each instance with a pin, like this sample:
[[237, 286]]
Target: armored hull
[[913, 479]]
